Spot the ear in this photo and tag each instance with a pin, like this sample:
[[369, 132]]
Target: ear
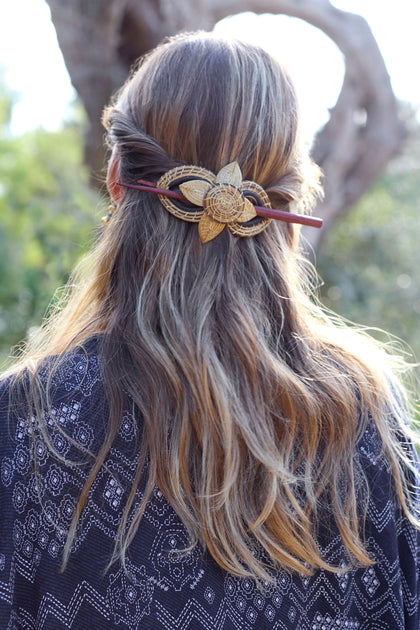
[[112, 178]]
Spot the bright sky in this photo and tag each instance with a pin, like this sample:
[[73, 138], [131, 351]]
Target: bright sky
[[34, 68]]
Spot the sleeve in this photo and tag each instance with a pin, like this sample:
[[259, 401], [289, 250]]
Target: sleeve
[[8, 492], [391, 586], [39, 491], [408, 538]]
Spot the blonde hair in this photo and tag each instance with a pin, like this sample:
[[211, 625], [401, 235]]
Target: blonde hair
[[252, 398]]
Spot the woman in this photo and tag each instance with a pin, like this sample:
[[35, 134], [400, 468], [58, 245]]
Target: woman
[[191, 442]]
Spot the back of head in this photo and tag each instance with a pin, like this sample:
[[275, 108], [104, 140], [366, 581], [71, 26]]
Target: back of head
[[197, 100], [204, 101]]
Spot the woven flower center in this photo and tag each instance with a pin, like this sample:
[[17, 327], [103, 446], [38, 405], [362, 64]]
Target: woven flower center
[[224, 203]]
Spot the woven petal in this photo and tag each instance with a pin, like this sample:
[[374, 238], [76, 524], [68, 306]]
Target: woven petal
[[195, 191], [208, 229], [230, 174], [248, 212]]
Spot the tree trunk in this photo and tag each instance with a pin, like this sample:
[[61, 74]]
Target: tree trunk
[[101, 39]]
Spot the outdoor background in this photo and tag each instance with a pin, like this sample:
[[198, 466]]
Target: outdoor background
[[369, 260]]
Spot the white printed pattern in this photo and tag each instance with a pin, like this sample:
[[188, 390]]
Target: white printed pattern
[[132, 595]]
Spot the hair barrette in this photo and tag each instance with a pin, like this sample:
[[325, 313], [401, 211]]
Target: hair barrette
[[218, 201]]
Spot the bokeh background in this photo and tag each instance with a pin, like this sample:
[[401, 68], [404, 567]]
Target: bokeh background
[[368, 260]]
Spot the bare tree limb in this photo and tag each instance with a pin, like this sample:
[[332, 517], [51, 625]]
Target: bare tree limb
[[364, 131], [100, 39]]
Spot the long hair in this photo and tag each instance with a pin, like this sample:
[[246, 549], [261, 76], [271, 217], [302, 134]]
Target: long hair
[[252, 399]]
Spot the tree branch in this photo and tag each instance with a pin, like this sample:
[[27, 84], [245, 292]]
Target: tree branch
[[364, 131], [100, 39]]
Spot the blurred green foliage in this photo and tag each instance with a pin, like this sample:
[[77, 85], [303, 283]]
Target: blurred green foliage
[[47, 216], [369, 261]]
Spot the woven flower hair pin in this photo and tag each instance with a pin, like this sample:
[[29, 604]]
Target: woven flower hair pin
[[218, 201], [224, 202]]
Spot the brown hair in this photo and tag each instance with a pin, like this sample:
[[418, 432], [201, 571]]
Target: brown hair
[[220, 346]]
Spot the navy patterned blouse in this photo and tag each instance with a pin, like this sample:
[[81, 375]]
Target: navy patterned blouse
[[163, 588]]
